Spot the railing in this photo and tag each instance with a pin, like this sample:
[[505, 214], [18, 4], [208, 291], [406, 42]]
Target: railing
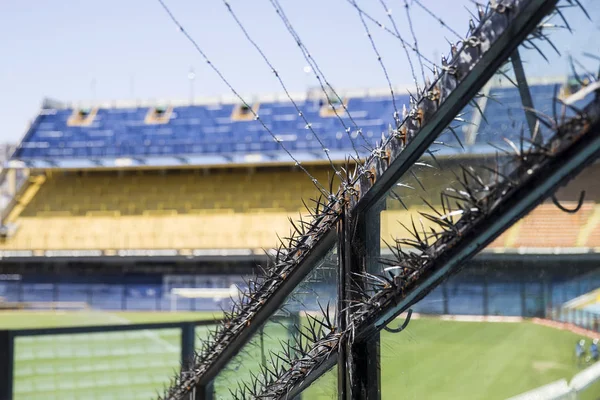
[[578, 317], [30, 359]]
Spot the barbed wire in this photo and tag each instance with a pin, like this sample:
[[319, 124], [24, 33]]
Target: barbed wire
[[314, 180], [439, 19], [308, 125], [382, 26], [388, 11], [320, 76], [382, 65], [412, 32]]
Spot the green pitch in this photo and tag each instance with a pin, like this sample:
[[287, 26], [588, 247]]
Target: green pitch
[[119, 365], [431, 359], [434, 359]]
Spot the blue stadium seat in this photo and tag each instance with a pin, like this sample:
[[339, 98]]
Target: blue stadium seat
[[209, 130]]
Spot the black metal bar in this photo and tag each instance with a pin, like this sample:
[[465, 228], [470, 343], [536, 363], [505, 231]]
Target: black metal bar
[[344, 259], [551, 175], [107, 328], [365, 370], [6, 364], [296, 276], [206, 392], [366, 367], [188, 346], [529, 17], [525, 93]]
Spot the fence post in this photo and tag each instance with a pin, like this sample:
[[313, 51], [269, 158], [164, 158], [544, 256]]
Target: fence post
[[188, 336], [6, 365]]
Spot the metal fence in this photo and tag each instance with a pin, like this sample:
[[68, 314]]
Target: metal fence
[[487, 196], [109, 361]]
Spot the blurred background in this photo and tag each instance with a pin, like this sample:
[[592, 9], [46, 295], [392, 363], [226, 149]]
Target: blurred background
[[136, 188]]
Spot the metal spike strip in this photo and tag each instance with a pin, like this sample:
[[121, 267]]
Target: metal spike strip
[[478, 202], [286, 257], [492, 23], [310, 348], [454, 71]]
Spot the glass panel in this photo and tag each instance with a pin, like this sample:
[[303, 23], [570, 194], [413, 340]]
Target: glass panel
[[318, 290], [511, 319], [111, 365]]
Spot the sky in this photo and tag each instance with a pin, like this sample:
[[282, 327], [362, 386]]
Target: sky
[[82, 50]]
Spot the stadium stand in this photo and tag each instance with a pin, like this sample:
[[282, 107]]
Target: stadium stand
[[205, 131], [168, 188], [152, 209], [210, 132], [174, 180]]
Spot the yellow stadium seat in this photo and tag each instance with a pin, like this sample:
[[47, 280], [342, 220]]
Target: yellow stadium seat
[[186, 209]]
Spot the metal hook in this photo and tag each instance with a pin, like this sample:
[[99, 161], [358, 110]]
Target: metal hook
[[401, 327], [574, 210]]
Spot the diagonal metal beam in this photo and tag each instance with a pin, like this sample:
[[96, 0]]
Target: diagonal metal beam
[[554, 173], [530, 15], [506, 29], [525, 94], [272, 304]]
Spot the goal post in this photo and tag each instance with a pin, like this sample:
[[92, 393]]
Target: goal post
[[217, 294]]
